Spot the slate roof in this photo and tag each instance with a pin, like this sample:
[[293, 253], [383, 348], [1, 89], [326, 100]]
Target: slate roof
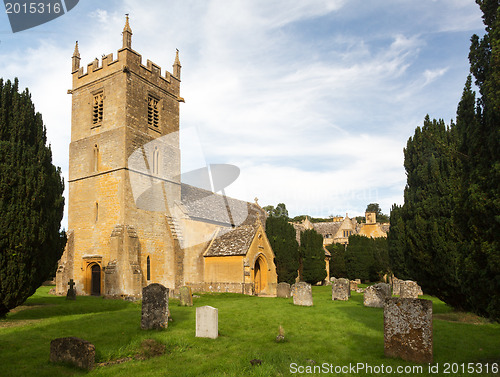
[[204, 205], [327, 228], [234, 242]]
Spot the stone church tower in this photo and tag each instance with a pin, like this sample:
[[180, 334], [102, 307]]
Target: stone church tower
[[120, 107]]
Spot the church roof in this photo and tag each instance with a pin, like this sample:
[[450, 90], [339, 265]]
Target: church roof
[[204, 205], [235, 242], [327, 228]]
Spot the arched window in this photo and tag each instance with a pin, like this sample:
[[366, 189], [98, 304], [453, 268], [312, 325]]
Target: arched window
[[95, 159], [148, 269], [156, 161]]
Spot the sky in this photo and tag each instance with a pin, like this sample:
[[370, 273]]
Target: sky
[[313, 100]]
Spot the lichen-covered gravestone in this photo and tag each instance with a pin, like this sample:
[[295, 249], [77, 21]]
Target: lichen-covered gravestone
[[207, 322], [283, 290], [186, 298], [302, 294], [341, 289], [408, 329], [74, 351], [409, 289], [353, 285], [154, 307], [375, 295]]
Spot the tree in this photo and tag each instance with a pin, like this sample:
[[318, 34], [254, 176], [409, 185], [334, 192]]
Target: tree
[[313, 256], [337, 262], [31, 200], [279, 211], [374, 207], [366, 258], [282, 237]]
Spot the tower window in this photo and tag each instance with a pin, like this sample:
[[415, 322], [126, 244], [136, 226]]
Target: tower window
[[156, 161], [95, 161], [97, 108], [96, 212], [153, 112], [148, 269]]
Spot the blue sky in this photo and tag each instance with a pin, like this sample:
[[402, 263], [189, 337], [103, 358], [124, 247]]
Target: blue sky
[[313, 100]]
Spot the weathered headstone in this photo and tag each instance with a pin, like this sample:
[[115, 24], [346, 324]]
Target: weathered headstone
[[409, 289], [71, 295], [74, 351], [207, 322], [186, 298], [396, 286], [283, 290], [375, 295], [353, 285], [154, 307], [408, 329], [302, 294], [340, 289], [357, 281]]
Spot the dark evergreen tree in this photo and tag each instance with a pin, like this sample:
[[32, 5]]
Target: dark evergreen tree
[[282, 237], [366, 258], [337, 262], [312, 256], [396, 244], [478, 203], [31, 200]]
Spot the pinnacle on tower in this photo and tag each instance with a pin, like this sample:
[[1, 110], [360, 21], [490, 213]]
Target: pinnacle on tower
[[127, 34], [75, 59], [177, 65]]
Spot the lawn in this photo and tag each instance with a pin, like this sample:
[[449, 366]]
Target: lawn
[[336, 333]]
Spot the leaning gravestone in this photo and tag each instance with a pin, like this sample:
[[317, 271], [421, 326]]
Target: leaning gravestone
[[71, 295], [186, 298], [375, 295], [283, 290], [154, 307], [74, 351], [302, 294], [409, 289], [341, 289], [207, 322], [408, 329]]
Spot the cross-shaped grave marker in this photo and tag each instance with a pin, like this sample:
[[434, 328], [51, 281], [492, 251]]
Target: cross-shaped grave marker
[[71, 295]]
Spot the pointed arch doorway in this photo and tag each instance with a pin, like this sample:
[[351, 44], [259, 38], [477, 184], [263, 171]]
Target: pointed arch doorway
[[260, 276], [95, 280]]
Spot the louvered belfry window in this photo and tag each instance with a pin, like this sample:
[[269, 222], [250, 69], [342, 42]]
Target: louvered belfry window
[[97, 109], [153, 112]]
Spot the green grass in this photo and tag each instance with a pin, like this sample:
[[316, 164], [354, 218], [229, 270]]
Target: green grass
[[332, 332]]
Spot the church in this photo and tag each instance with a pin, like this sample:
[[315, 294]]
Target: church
[[132, 221]]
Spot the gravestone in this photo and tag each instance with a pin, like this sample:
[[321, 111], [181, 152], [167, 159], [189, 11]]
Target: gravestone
[[207, 322], [396, 286], [375, 295], [71, 295], [408, 329], [353, 285], [302, 294], [341, 289], [358, 281], [74, 351], [154, 307], [283, 290], [186, 298], [409, 289]]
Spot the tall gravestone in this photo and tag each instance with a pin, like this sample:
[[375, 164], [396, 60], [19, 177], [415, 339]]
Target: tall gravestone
[[207, 322], [375, 295], [396, 286], [154, 307], [341, 289], [75, 351], [408, 329], [71, 294], [186, 298], [302, 294], [283, 290]]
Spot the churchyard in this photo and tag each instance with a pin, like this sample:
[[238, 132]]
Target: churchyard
[[331, 332]]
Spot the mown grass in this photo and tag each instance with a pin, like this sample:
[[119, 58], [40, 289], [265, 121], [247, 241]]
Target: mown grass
[[333, 332]]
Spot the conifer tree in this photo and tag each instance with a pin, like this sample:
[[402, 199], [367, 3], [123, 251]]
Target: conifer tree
[[313, 256], [31, 201], [337, 262], [282, 238]]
